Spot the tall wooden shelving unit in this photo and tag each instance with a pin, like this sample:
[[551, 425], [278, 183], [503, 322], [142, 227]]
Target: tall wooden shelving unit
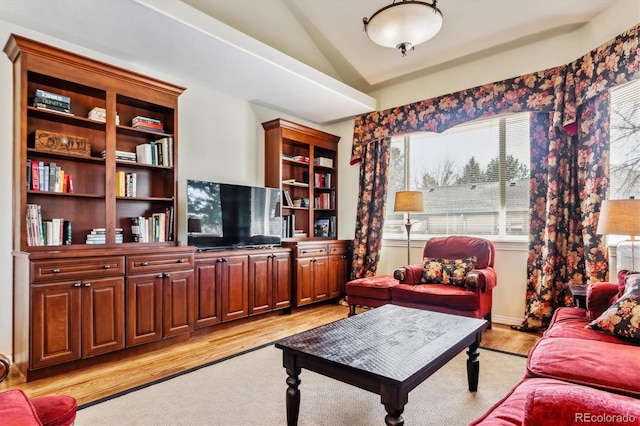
[[303, 162], [70, 299]]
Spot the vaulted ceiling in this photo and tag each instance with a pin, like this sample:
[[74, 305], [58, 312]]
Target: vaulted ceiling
[[310, 58]]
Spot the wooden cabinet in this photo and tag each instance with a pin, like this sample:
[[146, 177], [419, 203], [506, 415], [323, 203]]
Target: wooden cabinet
[[320, 270], [339, 263], [77, 310], [237, 283], [269, 281], [303, 162], [160, 296]]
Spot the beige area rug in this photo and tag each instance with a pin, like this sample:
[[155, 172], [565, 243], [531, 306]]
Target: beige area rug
[[249, 389]]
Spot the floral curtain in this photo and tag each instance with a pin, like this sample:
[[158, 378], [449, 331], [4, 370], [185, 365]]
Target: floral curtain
[[556, 95], [568, 182], [374, 179]]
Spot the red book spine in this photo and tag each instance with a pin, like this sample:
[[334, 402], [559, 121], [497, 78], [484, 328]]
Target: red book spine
[[35, 179]]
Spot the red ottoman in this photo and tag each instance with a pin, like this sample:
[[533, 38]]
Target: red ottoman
[[370, 291], [55, 410]]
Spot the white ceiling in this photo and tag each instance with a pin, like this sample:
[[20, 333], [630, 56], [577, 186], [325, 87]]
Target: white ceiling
[[309, 58]]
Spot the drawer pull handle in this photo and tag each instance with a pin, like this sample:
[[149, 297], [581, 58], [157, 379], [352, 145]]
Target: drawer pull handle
[[77, 284], [56, 270], [159, 276], [304, 251], [107, 266], [144, 264], [182, 260], [87, 284], [167, 275]]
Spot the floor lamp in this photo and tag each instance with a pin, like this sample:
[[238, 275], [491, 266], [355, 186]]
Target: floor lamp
[[621, 217], [409, 202]]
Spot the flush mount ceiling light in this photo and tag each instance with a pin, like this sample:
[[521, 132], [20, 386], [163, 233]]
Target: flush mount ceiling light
[[404, 25]]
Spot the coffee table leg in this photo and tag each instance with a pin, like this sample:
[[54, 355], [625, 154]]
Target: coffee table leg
[[393, 417], [293, 395], [473, 365]]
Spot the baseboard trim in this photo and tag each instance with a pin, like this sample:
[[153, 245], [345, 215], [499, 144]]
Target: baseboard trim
[[499, 319]]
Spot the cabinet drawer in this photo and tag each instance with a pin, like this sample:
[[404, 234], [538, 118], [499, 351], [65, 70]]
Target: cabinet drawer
[[338, 248], [141, 264], [68, 269], [308, 250]]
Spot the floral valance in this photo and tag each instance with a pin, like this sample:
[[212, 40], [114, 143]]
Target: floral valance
[[561, 89]]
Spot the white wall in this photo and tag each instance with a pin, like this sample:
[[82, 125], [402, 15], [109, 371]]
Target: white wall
[[221, 139]]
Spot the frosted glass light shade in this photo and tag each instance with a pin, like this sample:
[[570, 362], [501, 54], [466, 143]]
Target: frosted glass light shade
[[405, 24]]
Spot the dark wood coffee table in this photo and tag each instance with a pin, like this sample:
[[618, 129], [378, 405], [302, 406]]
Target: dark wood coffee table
[[388, 351]]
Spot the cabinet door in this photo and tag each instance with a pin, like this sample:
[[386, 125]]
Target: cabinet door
[[304, 281], [55, 327], [207, 294], [235, 287], [337, 275], [260, 283], [281, 280], [320, 278], [178, 303], [102, 315], [144, 308]]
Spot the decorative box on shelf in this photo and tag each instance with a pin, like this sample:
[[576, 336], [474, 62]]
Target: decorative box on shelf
[[61, 143]]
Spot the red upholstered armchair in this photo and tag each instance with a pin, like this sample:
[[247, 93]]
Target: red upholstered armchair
[[471, 297]]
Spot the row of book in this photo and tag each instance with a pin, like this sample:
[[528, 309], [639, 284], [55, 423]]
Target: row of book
[[147, 123], [156, 228], [53, 232], [289, 227], [47, 177], [323, 201], [52, 101], [325, 227], [126, 184], [322, 180], [99, 236], [158, 152]]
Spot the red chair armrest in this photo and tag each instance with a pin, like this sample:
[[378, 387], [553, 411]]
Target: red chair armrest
[[409, 274], [483, 279], [599, 297]]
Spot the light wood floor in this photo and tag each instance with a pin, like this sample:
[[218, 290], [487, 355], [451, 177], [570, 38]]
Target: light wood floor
[[92, 383]]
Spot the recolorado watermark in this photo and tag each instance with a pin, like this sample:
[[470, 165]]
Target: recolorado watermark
[[604, 418]]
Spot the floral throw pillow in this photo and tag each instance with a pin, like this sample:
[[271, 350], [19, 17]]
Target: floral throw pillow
[[623, 317], [447, 271]]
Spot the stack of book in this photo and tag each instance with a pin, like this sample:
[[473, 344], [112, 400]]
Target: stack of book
[[146, 123], [47, 177], [52, 101], [159, 152], [323, 161], [99, 236], [122, 156], [126, 184], [100, 114], [301, 202]]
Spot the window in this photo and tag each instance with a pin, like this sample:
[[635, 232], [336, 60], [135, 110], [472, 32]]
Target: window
[[624, 155], [474, 178], [624, 158]]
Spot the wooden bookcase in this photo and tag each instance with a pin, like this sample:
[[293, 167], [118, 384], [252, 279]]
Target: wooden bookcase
[[94, 203], [74, 302], [303, 162]]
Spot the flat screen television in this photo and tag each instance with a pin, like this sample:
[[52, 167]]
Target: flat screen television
[[224, 216]]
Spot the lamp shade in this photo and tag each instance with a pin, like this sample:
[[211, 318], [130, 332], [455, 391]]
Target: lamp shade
[[404, 25], [409, 201], [619, 217]]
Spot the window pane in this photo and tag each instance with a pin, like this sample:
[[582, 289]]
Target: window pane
[[624, 162], [475, 179]]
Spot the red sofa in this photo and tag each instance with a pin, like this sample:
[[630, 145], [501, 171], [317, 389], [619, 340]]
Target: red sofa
[[578, 375]]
